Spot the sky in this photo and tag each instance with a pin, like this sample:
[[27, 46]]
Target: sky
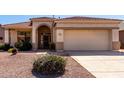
[[7, 19]]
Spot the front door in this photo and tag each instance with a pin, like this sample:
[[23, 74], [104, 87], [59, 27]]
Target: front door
[[46, 42]]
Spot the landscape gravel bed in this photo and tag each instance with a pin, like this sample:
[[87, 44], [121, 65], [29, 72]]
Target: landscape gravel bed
[[20, 66]]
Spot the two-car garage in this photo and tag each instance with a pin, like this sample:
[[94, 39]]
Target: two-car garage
[[87, 39]]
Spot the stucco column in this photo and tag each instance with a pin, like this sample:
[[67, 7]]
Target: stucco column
[[6, 36], [34, 42], [13, 37], [59, 40], [115, 39]]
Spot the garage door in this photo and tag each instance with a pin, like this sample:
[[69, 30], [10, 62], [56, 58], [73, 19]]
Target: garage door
[[86, 40]]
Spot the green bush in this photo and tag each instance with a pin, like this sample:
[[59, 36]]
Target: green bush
[[14, 51], [19, 45], [49, 64], [26, 46], [1, 47], [5, 47], [10, 50], [23, 46]]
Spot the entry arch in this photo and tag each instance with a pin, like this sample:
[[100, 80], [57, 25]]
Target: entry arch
[[44, 36]]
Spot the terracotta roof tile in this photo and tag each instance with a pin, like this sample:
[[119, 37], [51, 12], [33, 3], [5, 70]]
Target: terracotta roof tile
[[18, 25], [87, 18], [43, 18], [27, 25], [77, 18]]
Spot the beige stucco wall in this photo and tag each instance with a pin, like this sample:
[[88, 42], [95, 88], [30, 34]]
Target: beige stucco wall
[[87, 40], [59, 39], [38, 24], [54, 35], [115, 35], [81, 25], [106, 43], [121, 26], [13, 37], [7, 36], [115, 39], [59, 35]]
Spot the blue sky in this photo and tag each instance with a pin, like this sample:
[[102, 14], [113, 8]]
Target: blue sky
[[6, 19]]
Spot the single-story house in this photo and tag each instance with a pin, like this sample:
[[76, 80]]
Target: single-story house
[[71, 33], [1, 35]]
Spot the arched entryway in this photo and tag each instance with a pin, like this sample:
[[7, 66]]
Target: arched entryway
[[44, 37]]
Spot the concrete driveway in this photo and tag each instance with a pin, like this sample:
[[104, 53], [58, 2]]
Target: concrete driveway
[[102, 64]]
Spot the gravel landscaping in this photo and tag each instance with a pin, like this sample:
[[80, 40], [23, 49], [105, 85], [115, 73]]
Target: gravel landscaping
[[20, 66]]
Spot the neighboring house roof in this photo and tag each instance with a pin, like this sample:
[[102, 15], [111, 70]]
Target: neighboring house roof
[[21, 25]]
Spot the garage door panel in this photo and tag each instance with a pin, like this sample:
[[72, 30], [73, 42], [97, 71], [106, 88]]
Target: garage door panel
[[86, 40]]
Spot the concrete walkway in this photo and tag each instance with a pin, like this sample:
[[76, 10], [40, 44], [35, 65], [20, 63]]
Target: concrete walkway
[[102, 64]]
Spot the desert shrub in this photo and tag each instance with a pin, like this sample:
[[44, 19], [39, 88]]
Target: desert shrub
[[10, 50], [1, 47], [19, 45], [49, 64], [13, 51], [5, 47], [26, 46], [23, 46]]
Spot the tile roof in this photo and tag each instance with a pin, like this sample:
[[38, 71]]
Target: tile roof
[[28, 25], [75, 18], [87, 18], [43, 18], [21, 25], [49, 19]]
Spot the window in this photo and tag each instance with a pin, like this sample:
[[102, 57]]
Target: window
[[24, 36]]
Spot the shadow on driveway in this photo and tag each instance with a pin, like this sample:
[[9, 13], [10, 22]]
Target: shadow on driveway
[[96, 53]]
